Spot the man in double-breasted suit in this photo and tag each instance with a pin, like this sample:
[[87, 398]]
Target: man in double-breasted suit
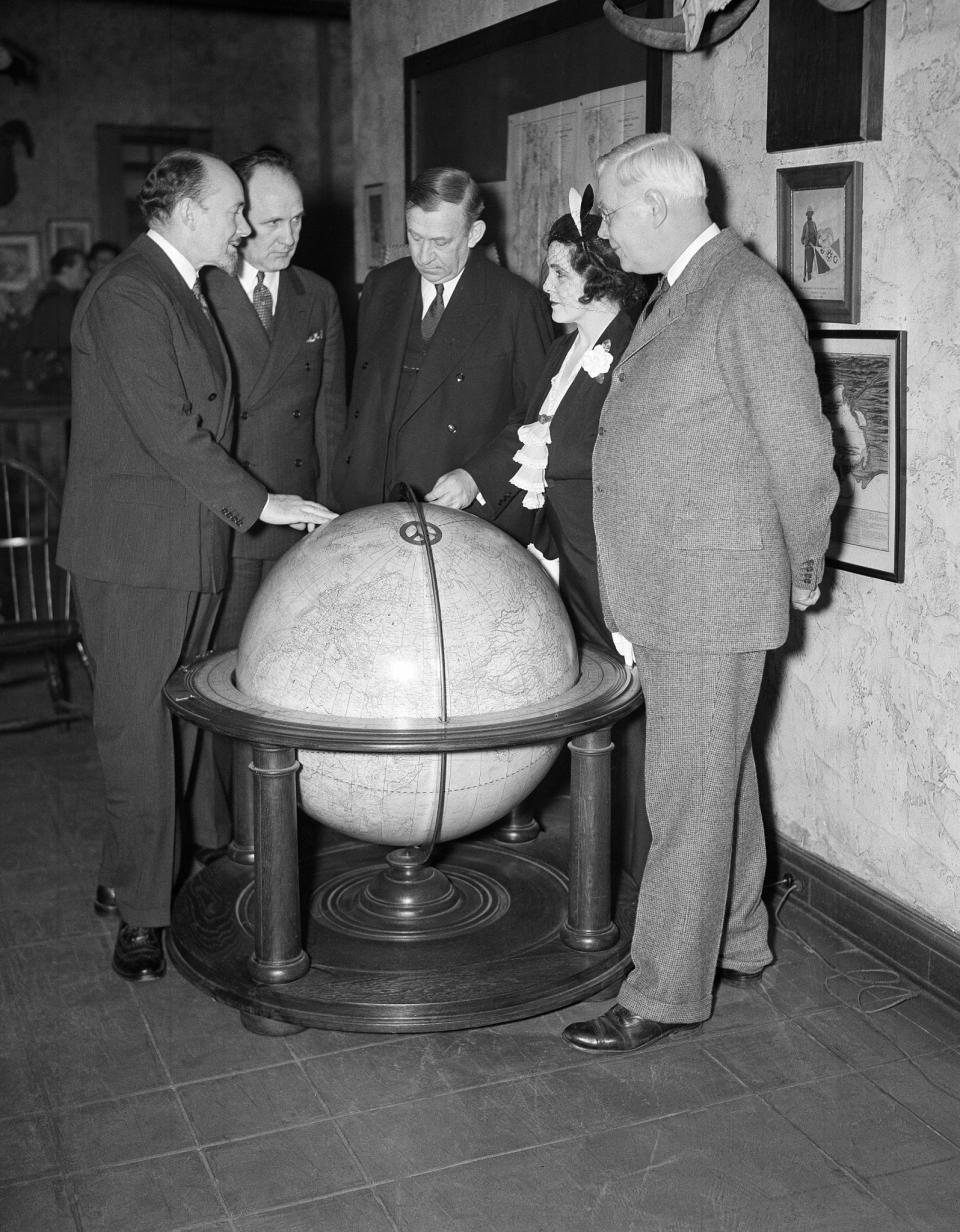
[[449, 345], [284, 335], [713, 488], [152, 496]]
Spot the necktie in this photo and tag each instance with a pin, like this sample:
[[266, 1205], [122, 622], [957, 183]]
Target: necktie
[[430, 322], [263, 303], [202, 299], [661, 287]]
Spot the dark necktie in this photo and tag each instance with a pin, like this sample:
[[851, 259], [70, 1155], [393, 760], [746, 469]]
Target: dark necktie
[[661, 287], [263, 303], [202, 299], [430, 322]]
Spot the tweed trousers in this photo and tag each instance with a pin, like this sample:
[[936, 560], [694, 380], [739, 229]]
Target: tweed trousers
[[699, 904]]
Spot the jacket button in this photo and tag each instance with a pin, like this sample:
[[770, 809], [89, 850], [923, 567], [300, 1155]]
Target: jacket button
[[451, 428], [298, 462], [296, 414], [244, 415], [211, 397], [620, 376]]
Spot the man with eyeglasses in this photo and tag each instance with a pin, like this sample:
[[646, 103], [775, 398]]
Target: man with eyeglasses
[[713, 488]]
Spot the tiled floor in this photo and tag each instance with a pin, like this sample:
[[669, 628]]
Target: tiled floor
[[813, 1103]]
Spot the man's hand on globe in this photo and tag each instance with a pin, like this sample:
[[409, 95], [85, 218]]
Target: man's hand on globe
[[295, 511], [455, 490]]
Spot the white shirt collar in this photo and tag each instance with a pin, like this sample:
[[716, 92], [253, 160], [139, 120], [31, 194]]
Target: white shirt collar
[[681, 263], [428, 291], [248, 280], [186, 271]]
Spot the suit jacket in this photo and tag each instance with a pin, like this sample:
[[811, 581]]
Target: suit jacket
[[289, 389], [713, 469], [480, 367], [152, 493]]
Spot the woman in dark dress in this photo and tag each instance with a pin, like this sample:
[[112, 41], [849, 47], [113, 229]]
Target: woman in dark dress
[[587, 290]]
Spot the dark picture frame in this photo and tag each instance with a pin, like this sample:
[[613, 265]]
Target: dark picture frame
[[824, 274], [69, 233], [375, 214], [863, 376]]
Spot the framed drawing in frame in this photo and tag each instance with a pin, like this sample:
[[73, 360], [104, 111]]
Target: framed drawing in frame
[[819, 214], [69, 233], [862, 379], [19, 260]]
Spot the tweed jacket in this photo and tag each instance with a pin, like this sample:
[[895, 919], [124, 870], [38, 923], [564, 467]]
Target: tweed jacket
[[713, 475], [152, 493], [289, 390], [486, 354]]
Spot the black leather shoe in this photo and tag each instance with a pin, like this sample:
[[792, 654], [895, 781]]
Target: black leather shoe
[[620, 1031], [138, 954], [105, 901], [207, 855], [728, 975]]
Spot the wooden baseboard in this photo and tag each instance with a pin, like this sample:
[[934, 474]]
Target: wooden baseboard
[[916, 946]]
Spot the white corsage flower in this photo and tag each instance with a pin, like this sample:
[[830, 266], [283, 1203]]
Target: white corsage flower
[[597, 361]]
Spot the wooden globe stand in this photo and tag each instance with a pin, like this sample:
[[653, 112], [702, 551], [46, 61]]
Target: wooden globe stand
[[299, 927]]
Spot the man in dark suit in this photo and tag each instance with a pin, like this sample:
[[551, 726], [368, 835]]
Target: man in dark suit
[[713, 488], [448, 350], [152, 496], [284, 334]]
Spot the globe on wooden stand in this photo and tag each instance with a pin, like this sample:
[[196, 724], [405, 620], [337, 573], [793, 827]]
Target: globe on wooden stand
[[414, 669]]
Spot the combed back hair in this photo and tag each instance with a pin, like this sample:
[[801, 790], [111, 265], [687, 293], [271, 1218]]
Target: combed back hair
[[597, 264], [64, 258], [438, 184], [657, 160], [103, 246], [267, 156], [177, 176]]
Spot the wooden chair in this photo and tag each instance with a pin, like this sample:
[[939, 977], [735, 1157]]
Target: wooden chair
[[36, 616]]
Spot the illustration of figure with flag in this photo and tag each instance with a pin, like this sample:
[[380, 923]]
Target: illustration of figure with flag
[[809, 238]]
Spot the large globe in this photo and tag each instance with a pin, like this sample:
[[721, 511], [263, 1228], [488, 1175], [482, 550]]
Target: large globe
[[346, 626]]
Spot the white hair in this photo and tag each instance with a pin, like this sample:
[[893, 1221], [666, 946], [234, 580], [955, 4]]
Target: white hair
[[657, 160]]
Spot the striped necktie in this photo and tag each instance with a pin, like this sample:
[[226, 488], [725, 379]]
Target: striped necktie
[[431, 320], [202, 299], [263, 303]]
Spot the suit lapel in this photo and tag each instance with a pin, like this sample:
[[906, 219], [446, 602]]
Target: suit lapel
[[206, 331], [462, 322]]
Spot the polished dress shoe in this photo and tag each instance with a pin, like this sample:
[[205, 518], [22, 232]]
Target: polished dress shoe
[[620, 1031], [105, 901], [138, 954], [727, 975]]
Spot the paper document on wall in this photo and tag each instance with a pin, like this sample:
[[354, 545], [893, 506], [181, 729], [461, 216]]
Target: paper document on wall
[[555, 148]]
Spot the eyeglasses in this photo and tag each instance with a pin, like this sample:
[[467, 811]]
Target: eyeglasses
[[606, 215]]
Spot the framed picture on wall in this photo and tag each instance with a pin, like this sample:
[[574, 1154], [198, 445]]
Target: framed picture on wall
[[69, 233], [819, 214], [862, 378], [375, 212], [19, 260]]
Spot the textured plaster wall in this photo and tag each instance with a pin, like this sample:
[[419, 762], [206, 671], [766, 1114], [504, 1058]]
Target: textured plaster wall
[[863, 748], [861, 732], [161, 64]]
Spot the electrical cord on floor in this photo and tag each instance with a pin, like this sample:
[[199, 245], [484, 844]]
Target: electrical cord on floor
[[869, 979]]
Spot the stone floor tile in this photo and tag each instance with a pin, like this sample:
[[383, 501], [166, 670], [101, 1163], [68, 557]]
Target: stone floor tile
[[773, 1055], [360, 1211], [157, 1195], [926, 1199], [929, 1086], [859, 1126], [853, 1036], [252, 1102], [122, 1130], [36, 1206], [282, 1168], [27, 1148]]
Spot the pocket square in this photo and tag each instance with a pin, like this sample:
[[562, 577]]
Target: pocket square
[[317, 337]]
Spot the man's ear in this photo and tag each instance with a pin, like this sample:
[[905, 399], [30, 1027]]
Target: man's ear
[[186, 210], [477, 230], [656, 203]]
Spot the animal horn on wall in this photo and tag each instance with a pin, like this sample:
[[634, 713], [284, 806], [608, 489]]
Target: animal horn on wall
[[681, 33]]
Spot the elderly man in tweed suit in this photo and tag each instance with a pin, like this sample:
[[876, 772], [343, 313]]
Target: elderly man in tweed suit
[[713, 488]]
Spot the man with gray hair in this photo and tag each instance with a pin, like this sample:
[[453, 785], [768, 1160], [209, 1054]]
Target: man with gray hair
[[449, 347], [713, 488], [152, 496]]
